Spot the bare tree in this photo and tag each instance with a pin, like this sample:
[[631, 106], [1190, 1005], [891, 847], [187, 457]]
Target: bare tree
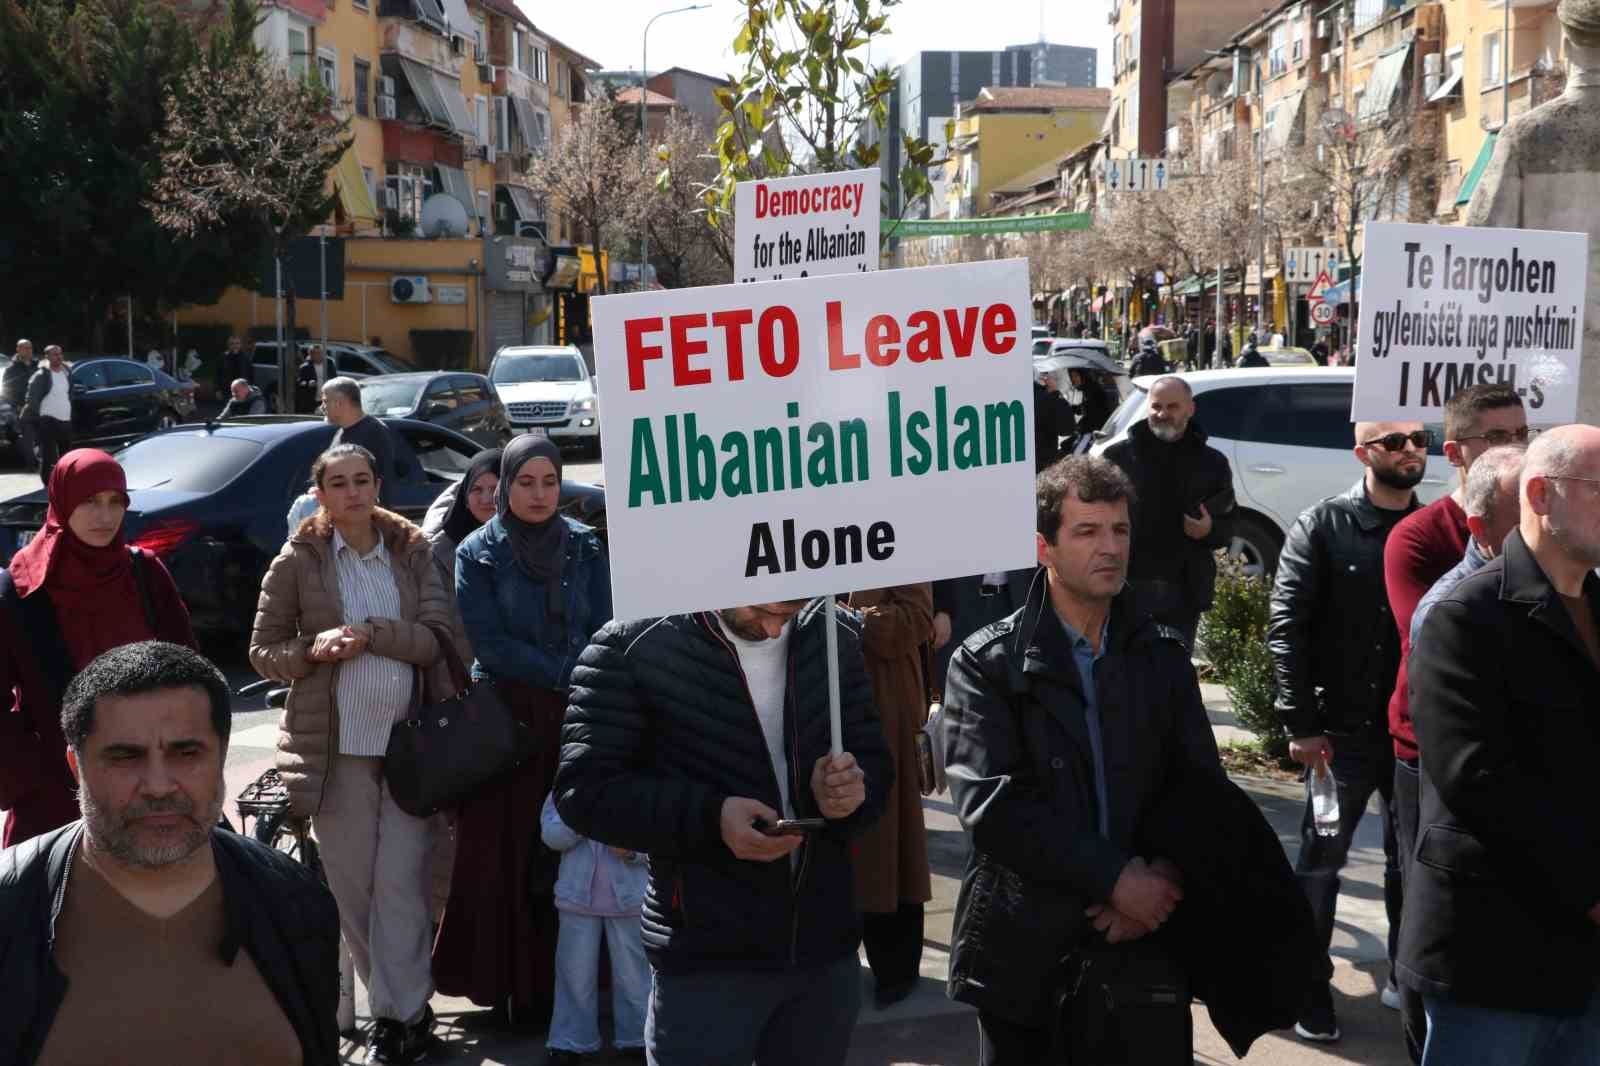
[[693, 250], [246, 137], [593, 173]]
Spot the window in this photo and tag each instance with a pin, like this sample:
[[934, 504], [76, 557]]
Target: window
[[471, 391], [1226, 413], [1278, 50], [440, 393], [175, 463], [541, 65], [363, 86], [299, 52], [1302, 416], [1270, 125], [372, 182], [480, 117], [502, 124], [328, 70], [480, 38], [561, 80], [1297, 40], [1492, 59], [92, 376], [121, 374], [516, 49], [411, 186]]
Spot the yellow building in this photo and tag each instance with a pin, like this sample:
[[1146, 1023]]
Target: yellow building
[[1007, 132], [444, 247]]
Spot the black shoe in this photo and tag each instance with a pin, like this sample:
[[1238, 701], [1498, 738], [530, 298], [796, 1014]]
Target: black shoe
[[563, 1057], [1318, 1024], [888, 995], [397, 1044]]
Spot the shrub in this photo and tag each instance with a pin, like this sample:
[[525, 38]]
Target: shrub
[[1233, 637]]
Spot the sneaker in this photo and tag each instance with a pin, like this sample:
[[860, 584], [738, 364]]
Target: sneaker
[[1390, 996], [397, 1044], [1318, 1024]]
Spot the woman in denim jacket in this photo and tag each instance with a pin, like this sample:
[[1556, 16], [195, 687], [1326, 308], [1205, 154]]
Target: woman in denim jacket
[[532, 586], [600, 890]]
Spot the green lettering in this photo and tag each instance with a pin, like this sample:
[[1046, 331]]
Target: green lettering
[[823, 465], [1003, 430], [894, 434], [916, 426], [644, 474], [968, 439], [735, 465], [853, 446], [769, 459]]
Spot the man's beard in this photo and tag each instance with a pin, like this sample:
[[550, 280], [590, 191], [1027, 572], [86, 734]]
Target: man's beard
[[753, 633], [110, 832], [1167, 433], [1399, 479], [1583, 549]]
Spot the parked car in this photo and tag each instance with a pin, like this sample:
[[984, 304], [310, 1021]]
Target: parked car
[[1287, 433], [213, 501], [466, 403], [549, 388], [349, 360], [1286, 357], [116, 399]]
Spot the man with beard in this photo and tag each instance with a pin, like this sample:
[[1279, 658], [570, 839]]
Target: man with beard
[[1500, 936], [1183, 496], [120, 934], [1335, 651]]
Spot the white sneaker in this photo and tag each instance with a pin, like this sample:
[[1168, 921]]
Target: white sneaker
[[1390, 996]]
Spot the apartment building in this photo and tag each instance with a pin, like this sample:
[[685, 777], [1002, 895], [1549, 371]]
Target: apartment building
[[1006, 133]]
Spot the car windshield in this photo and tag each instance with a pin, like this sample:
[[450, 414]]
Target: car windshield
[[391, 363], [380, 397], [1041, 345], [1132, 409], [173, 461], [517, 369]]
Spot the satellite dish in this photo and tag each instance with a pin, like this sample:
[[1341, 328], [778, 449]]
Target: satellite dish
[[443, 216]]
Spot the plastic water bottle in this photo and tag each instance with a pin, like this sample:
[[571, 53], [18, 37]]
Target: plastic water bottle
[[1324, 800]]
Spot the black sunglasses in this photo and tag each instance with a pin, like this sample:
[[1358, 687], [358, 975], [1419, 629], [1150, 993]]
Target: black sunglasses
[[1394, 442]]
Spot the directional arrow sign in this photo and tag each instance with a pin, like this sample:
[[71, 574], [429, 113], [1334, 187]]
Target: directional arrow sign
[[1161, 174], [1144, 174], [1114, 174]]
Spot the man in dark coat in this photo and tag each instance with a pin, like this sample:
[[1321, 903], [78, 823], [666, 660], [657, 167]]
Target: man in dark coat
[[1182, 507], [232, 365], [1053, 421], [1503, 892], [1062, 725], [964, 605], [688, 738], [164, 916]]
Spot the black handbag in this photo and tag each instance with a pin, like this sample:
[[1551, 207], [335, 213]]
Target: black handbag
[[447, 748], [1124, 1005]]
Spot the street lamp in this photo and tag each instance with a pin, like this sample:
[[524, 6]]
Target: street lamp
[[644, 143]]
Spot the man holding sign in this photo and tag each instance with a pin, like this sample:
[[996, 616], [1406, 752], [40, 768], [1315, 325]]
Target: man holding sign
[[703, 740]]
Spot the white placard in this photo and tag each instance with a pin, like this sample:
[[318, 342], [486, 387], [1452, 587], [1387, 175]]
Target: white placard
[[1462, 306], [822, 435], [808, 226]]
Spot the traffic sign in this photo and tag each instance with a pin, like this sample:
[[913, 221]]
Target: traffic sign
[[1320, 287], [1302, 265], [1136, 175], [1322, 314]]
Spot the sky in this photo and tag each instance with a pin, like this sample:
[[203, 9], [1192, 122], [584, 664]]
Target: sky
[[609, 31]]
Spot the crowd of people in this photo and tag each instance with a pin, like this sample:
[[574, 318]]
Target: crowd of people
[[685, 816]]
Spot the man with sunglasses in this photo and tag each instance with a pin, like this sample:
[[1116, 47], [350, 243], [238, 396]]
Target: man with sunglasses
[[1335, 651], [1423, 548], [1502, 939]]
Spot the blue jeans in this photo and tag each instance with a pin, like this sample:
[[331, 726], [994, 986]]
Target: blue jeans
[[736, 1017], [1460, 1034], [575, 1024]]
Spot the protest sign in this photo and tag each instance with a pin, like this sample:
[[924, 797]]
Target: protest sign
[[806, 226], [816, 436], [1451, 306]]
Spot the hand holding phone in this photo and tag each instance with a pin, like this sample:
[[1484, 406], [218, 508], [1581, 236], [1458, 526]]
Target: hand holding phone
[[790, 827]]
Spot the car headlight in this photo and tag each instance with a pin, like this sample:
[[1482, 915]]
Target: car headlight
[[583, 407]]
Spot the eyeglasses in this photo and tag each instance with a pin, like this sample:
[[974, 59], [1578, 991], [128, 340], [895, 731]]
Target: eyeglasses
[[1569, 477], [1395, 442], [1498, 438]]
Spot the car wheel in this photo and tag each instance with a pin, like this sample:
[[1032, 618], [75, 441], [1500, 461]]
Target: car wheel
[[168, 419], [1255, 544]]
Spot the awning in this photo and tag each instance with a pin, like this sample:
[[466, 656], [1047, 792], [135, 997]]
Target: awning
[[524, 203], [354, 196], [456, 184], [1189, 287], [426, 89], [1450, 88], [1337, 294], [1380, 90], [1470, 182], [528, 119], [1288, 117], [588, 274], [458, 18], [455, 104]]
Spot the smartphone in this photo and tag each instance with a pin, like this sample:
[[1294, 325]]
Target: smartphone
[[790, 827]]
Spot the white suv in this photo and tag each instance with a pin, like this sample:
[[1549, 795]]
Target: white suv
[[549, 388], [1287, 433]]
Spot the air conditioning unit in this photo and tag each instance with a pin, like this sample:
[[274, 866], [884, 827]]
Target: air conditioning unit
[[386, 107], [391, 198], [487, 72], [385, 85], [409, 289], [1327, 62], [1322, 29]]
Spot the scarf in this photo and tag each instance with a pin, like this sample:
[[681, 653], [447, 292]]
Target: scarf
[[540, 547], [458, 521]]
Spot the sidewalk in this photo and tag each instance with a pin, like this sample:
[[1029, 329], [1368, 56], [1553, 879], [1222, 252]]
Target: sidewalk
[[929, 1030]]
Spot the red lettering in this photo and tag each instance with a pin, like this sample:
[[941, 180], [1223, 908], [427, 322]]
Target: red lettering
[[732, 324], [924, 346], [838, 359], [999, 329], [684, 349], [882, 331], [778, 364], [761, 201], [634, 331], [962, 332]]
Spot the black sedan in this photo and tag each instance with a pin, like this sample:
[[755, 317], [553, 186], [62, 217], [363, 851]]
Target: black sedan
[[116, 399], [454, 399], [213, 501]]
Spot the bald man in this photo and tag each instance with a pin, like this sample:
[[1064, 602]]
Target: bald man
[[1335, 651], [1501, 938]]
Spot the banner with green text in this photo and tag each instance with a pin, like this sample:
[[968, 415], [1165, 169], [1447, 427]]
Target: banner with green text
[[788, 439]]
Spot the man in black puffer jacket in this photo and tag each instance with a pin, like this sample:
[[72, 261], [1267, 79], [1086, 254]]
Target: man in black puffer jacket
[[684, 735]]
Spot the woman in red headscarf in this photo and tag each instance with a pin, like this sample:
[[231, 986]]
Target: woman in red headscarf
[[72, 593]]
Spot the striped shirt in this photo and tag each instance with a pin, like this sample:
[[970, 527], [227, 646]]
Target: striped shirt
[[373, 692]]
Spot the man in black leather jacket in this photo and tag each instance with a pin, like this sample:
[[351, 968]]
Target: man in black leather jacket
[[121, 934], [1335, 652], [685, 737], [1063, 725], [1182, 509]]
